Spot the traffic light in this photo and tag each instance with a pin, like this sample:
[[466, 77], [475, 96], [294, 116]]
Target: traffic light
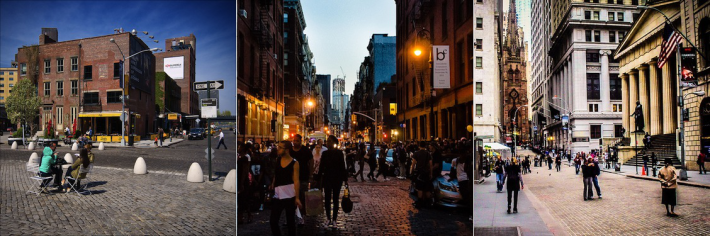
[[385, 135]]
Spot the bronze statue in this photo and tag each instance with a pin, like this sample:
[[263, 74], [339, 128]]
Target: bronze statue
[[638, 116]]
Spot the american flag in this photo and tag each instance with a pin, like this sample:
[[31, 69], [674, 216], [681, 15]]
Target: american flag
[[671, 39]]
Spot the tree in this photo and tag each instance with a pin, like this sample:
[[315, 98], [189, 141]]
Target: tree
[[23, 104], [225, 113]]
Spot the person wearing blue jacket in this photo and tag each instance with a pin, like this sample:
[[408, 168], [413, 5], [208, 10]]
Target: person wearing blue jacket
[[48, 166]]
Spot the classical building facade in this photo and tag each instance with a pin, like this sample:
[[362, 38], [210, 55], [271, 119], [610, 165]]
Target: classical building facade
[[583, 79], [657, 89], [540, 61], [260, 70], [514, 81]]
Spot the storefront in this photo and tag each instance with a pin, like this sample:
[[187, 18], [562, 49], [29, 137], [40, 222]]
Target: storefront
[[106, 125]]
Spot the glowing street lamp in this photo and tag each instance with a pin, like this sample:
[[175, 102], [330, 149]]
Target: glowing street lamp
[[417, 52]]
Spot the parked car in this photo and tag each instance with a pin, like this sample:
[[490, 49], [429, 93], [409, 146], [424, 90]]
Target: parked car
[[446, 191], [196, 133]]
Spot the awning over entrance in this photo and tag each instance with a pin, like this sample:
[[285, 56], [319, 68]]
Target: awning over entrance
[[100, 114]]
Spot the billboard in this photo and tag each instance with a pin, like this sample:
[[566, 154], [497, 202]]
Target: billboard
[[393, 108], [174, 67], [688, 68], [442, 73]]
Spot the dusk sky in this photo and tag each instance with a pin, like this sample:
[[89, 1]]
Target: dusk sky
[[212, 23]]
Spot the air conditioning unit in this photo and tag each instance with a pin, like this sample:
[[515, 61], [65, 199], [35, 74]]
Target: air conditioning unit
[[243, 12], [276, 56]]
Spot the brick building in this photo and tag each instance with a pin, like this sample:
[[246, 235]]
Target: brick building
[[446, 23], [178, 61], [296, 83], [78, 82], [260, 73]]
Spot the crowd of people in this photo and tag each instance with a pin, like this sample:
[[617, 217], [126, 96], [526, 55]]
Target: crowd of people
[[278, 174]]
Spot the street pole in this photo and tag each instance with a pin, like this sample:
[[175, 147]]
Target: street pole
[[209, 140], [681, 103], [431, 91]]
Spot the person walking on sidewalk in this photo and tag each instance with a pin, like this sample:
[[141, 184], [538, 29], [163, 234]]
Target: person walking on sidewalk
[[577, 164], [332, 175], [595, 178], [361, 161], [160, 137], [588, 176], [515, 183], [305, 159], [645, 163], [317, 154], [669, 184], [286, 185], [558, 163], [382, 163], [423, 167], [372, 162], [499, 174], [549, 161], [701, 163], [221, 139]]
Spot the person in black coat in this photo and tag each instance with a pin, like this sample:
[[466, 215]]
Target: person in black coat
[[333, 174], [515, 183]]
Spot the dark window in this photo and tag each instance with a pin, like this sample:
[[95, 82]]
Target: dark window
[[47, 66], [60, 88], [634, 2], [461, 13], [113, 97], [611, 16], [593, 86], [595, 131], [60, 64], [705, 39], [91, 98], [615, 87], [480, 1], [87, 72], [612, 36], [622, 34], [74, 87], [479, 87], [479, 109], [619, 1], [116, 70], [240, 66], [617, 131], [461, 57], [23, 69], [479, 44], [587, 15], [479, 23], [592, 56], [74, 64], [588, 35], [635, 17], [620, 16], [597, 36], [47, 88], [610, 1]]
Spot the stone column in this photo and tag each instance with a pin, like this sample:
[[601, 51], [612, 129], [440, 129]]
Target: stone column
[[669, 110], [605, 92], [655, 108], [643, 96], [625, 102], [580, 81], [633, 97]]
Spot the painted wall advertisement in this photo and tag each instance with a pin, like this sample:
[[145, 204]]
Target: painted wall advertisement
[[442, 73], [174, 67]]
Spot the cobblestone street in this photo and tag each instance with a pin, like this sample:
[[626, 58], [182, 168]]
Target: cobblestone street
[[629, 206], [380, 208]]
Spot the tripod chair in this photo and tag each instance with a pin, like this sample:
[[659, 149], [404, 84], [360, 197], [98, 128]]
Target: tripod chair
[[38, 187], [73, 181]]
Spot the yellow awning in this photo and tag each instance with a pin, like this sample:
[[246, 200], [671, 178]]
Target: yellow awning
[[100, 114]]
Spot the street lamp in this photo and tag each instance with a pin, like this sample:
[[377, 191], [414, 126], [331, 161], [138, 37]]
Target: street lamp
[[515, 126], [123, 86], [424, 33], [683, 174]]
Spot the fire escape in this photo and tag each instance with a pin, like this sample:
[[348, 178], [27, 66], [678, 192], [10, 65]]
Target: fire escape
[[265, 40]]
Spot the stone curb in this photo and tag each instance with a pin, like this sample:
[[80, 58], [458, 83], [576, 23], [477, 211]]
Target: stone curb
[[680, 182]]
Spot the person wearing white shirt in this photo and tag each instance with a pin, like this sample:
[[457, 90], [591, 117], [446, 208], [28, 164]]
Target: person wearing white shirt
[[317, 153], [221, 139]]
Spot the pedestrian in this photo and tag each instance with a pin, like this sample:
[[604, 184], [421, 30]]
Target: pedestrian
[[606, 160], [244, 183], [669, 184], [595, 179], [286, 185], [332, 175], [647, 140], [317, 153], [305, 159], [645, 163], [221, 140], [577, 164], [515, 183], [403, 159], [437, 159], [588, 176], [701, 163], [558, 163], [422, 164], [361, 153], [382, 163], [90, 132], [372, 162], [461, 166], [66, 132], [549, 161], [500, 174], [73, 171]]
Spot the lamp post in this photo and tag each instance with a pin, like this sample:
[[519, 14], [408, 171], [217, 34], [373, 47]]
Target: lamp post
[[684, 175], [424, 33], [515, 126], [123, 89]]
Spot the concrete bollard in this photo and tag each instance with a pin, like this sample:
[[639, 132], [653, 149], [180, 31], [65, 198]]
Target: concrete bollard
[[230, 182], [69, 159], [140, 168], [31, 146], [74, 147], [101, 146], [195, 173], [34, 159], [14, 145]]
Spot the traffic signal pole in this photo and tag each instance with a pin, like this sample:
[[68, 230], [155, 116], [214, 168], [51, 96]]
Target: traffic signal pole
[[209, 140]]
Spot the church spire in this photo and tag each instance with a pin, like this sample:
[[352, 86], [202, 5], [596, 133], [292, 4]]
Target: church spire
[[512, 39]]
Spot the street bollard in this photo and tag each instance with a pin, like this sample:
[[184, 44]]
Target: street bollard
[[140, 167], [194, 174], [14, 145], [230, 182], [34, 159], [101, 146], [75, 147], [31, 146]]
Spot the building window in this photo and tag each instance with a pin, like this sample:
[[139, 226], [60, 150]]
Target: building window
[[619, 1], [634, 2], [74, 64], [60, 115], [116, 70], [611, 16], [479, 62], [285, 37], [12, 73], [285, 17], [612, 36], [704, 32], [620, 16], [595, 15], [12, 85], [23, 69], [617, 131], [479, 109], [91, 98], [479, 87], [479, 23], [47, 66], [597, 36], [588, 35], [479, 1], [616, 107], [60, 65], [87, 72], [595, 131], [593, 86], [610, 1], [587, 15], [11, 79], [593, 57], [479, 44], [593, 107], [74, 87], [60, 88], [615, 87], [46, 88], [113, 97], [285, 59]]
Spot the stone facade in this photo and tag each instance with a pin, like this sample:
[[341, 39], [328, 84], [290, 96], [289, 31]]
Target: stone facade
[[515, 83]]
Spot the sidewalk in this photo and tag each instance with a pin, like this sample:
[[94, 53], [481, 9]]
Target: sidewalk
[[143, 143], [694, 178], [490, 210]]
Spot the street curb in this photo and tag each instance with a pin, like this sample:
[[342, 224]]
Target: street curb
[[680, 182]]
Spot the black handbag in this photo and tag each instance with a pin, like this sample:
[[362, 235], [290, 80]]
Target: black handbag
[[346, 203]]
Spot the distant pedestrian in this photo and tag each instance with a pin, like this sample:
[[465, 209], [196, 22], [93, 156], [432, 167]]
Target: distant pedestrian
[[361, 152], [645, 163], [221, 140], [577, 164], [595, 179], [372, 162], [515, 183], [549, 161], [669, 184], [701, 163], [500, 174], [558, 163], [317, 153], [160, 137], [382, 163], [422, 164], [588, 176], [245, 181]]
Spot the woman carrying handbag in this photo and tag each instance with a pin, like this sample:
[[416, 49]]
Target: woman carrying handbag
[[333, 174]]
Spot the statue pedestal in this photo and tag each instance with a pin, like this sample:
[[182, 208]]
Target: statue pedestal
[[636, 138]]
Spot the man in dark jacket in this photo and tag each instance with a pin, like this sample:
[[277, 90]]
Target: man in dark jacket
[[500, 174], [422, 164], [333, 174], [596, 171]]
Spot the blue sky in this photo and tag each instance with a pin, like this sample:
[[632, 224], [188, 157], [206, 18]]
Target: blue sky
[[212, 22]]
